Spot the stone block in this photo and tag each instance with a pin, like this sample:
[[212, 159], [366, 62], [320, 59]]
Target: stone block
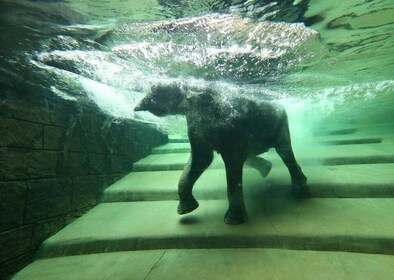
[[142, 134], [78, 163], [134, 140], [78, 142], [116, 177], [125, 142], [72, 216], [20, 238], [100, 121], [105, 181], [120, 164], [48, 198], [85, 192], [18, 133], [140, 150], [25, 106], [110, 142], [14, 265], [74, 164], [12, 204], [87, 143], [85, 122], [18, 164], [54, 138], [44, 229], [96, 144], [64, 112], [119, 127], [99, 163]]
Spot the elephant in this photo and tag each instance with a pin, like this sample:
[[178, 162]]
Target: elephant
[[239, 129]]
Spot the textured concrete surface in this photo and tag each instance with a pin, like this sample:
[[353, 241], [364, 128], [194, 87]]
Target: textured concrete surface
[[172, 148], [183, 145], [344, 230], [359, 225], [362, 180], [308, 155], [214, 264]]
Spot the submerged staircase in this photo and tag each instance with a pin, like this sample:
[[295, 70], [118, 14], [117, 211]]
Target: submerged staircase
[[345, 230]]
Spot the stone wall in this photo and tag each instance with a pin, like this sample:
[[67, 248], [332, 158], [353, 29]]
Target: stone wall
[[56, 157]]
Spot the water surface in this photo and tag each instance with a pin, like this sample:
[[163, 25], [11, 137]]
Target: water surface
[[321, 59]]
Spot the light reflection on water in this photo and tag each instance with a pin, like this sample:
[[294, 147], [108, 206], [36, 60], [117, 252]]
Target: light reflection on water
[[342, 57]]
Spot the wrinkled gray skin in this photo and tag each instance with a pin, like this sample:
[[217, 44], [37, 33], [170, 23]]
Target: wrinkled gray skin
[[238, 131]]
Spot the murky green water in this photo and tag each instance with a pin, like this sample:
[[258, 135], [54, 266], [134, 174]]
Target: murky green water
[[330, 63], [322, 59]]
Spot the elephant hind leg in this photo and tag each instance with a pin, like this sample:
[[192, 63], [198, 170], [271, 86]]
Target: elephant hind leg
[[285, 151], [236, 213], [262, 165]]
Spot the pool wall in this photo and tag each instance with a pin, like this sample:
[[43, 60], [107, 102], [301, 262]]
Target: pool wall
[[56, 157]]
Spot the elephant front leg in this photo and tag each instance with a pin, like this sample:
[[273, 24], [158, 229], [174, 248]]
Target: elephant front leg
[[236, 213], [187, 202], [200, 159]]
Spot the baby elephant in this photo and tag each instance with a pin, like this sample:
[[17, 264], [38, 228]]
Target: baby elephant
[[239, 129]]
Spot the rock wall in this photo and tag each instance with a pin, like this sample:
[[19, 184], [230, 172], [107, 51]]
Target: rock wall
[[56, 157]]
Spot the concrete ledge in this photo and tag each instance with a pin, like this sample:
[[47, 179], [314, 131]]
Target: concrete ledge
[[356, 225], [342, 181], [183, 146], [214, 264], [172, 148], [178, 138], [369, 140], [312, 155]]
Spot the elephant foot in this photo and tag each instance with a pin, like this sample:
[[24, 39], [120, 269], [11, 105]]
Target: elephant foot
[[262, 165], [235, 217], [265, 168], [300, 188], [187, 205]]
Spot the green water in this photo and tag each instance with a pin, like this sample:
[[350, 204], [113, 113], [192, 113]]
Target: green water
[[328, 62]]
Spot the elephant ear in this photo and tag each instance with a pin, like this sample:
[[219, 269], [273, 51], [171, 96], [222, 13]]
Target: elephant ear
[[201, 99]]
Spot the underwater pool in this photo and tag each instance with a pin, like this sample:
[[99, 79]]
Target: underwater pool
[[329, 63]]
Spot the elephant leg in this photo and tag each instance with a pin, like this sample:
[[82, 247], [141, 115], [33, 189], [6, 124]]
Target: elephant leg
[[262, 165], [236, 213], [285, 151], [200, 158]]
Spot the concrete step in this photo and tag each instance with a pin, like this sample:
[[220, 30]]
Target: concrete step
[[341, 181], [184, 146], [178, 138], [329, 133], [325, 132], [354, 225], [172, 148], [219, 264], [308, 155], [350, 141], [336, 131]]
